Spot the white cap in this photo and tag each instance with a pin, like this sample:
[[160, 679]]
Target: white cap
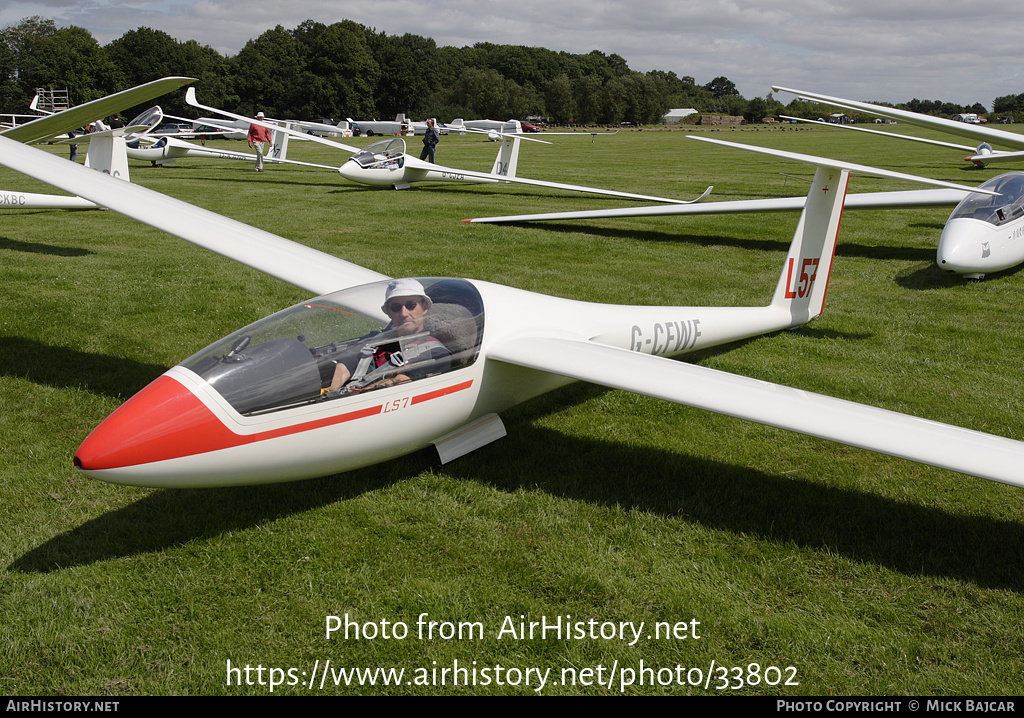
[[260, 115], [406, 288]]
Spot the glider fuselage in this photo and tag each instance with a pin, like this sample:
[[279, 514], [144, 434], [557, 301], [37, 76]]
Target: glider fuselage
[[985, 233], [258, 414]]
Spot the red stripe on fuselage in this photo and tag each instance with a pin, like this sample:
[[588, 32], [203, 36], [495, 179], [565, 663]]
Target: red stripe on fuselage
[[167, 421], [441, 392]]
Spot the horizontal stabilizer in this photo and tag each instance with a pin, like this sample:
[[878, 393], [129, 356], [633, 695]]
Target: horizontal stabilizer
[[953, 127], [939, 143]]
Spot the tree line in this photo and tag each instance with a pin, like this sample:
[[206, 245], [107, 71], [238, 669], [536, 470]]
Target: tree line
[[348, 70]]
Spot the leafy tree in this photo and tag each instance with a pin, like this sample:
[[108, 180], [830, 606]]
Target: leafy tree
[[268, 72], [1008, 104], [755, 111], [38, 54], [407, 73], [144, 55], [722, 87], [586, 91], [559, 102], [341, 73]]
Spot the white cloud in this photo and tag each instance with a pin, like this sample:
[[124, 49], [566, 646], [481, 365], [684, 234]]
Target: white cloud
[[873, 49]]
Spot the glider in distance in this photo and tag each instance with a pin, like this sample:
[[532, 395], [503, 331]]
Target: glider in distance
[[106, 148]]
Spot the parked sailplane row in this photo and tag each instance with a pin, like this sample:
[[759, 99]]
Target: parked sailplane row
[[387, 164], [256, 406], [983, 234]]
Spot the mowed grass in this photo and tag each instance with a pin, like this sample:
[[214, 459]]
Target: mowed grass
[[865, 574]]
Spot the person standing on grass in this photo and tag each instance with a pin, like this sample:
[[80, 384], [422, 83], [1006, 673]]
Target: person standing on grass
[[430, 139], [258, 134]]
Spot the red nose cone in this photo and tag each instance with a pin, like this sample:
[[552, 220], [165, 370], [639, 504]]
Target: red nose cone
[[163, 421]]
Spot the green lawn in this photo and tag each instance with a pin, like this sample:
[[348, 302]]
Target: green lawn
[[865, 574]]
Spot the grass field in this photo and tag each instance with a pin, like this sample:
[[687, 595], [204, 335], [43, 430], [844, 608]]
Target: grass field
[[865, 574]]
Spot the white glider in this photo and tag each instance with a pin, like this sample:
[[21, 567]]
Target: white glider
[[252, 407]]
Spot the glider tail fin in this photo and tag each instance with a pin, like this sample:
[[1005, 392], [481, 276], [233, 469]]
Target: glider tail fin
[[279, 144], [108, 154], [508, 157], [804, 279]]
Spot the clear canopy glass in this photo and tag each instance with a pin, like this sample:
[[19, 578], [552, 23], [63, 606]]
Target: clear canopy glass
[[995, 209], [291, 358], [386, 154]]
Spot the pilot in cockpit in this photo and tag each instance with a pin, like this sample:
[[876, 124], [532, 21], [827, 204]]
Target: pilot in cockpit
[[390, 357]]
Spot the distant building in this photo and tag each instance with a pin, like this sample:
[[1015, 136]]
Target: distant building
[[673, 116], [840, 119]]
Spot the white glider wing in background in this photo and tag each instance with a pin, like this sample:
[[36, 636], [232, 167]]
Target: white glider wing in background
[[903, 199], [52, 125], [961, 129], [212, 422], [109, 154]]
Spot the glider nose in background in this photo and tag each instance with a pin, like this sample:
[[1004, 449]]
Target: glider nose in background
[[350, 171], [965, 248]]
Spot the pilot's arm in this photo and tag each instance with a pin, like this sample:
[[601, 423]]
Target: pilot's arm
[[341, 376]]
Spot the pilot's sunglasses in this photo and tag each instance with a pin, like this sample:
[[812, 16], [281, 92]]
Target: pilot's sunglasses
[[396, 307]]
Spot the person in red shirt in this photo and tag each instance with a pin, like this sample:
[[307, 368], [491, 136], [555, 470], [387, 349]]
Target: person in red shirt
[[257, 136]]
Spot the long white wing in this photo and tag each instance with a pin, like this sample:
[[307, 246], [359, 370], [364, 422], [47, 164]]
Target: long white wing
[[961, 129], [200, 151], [81, 115], [904, 199], [952, 193], [499, 133], [990, 157], [190, 98], [30, 200], [414, 163], [847, 422], [302, 266], [951, 145]]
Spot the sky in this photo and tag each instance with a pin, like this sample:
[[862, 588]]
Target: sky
[[873, 50]]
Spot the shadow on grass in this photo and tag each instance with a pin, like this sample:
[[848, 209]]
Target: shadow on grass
[[241, 177], [931, 277], [173, 517], [912, 539], [64, 368], [37, 248]]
